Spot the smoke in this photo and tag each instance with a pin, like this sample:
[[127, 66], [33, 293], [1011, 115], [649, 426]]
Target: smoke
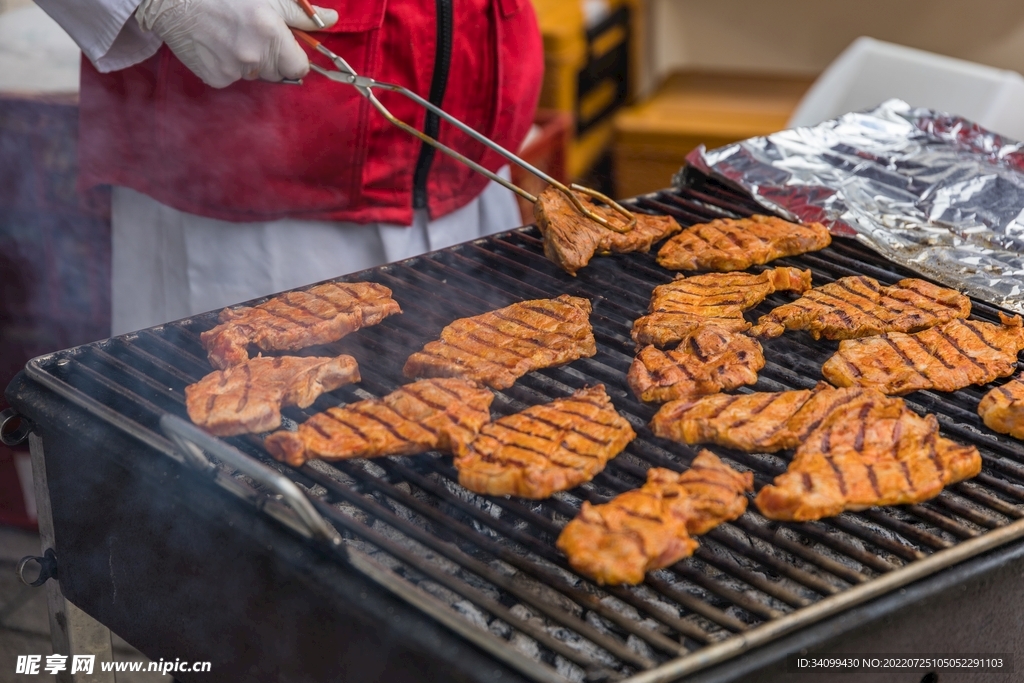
[[54, 243]]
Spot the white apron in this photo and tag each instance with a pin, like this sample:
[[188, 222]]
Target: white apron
[[167, 264]]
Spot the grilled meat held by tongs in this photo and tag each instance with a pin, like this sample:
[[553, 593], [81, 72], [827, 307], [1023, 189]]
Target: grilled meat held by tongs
[[710, 359], [248, 397], [1002, 409], [728, 244], [498, 347], [545, 448], [947, 357], [571, 239], [858, 306], [415, 418], [680, 306], [295, 320], [651, 527]]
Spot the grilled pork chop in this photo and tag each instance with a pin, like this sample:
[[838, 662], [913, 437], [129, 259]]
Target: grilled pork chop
[[855, 447], [728, 244], [762, 422], [249, 397], [545, 448], [650, 527], [747, 422], [571, 239], [499, 347], [710, 359], [875, 453], [858, 306], [415, 418], [947, 357], [295, 320], [1002, 409], [713, 298]]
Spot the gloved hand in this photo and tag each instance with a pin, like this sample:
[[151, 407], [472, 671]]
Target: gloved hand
[[222, 41]]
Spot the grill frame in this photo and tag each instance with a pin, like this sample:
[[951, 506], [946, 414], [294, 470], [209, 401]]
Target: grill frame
[[42, 371]]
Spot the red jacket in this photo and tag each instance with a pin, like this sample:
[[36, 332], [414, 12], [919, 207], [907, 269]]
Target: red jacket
[[258, 151]]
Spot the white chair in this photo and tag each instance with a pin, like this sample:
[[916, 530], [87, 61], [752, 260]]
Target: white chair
[[870, 71]]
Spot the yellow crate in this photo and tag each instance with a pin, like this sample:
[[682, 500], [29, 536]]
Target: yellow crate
[[567, 53], [653, 138]]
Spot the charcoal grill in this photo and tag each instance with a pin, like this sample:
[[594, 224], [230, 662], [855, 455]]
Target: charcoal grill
[[412, 578]]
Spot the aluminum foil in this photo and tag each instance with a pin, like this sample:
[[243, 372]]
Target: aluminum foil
[[930, 191]]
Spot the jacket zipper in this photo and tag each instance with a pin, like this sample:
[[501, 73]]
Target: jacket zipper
[[438, 84]]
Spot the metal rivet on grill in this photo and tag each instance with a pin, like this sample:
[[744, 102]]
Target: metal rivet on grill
[[14, 428]]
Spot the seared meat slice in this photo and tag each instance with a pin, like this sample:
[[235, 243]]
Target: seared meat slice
[[545, 448], [499, 347], [708, 360], [947, 357], [713, 298], [1002, 409], [858, 306], [878, 452], [650, 527], [762, 422], [747, 422], [295, 320], [729, 244], [415, 418], [249, 397], [571, 239]]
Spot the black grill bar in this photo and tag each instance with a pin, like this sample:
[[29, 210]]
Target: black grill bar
[[543, 550], [494, 560]]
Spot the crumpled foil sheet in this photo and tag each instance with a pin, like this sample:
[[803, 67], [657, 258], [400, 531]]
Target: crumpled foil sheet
[[930, 191]]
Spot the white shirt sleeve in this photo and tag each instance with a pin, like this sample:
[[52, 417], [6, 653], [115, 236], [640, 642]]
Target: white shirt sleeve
[[105, 30]]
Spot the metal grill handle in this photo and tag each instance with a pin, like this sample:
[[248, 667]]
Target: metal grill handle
[[193, 444]]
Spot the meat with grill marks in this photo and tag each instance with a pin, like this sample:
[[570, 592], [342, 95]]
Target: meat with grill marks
[[248, 397], [498, 347], [1002, 409], [763, 422], [415, 418], [680, 306], [710, 359], [545, 448], [571, 239], [855, 447], [878, 452], [652, 527], [728, 244], [298, 319], [858, 306], [947, 357]]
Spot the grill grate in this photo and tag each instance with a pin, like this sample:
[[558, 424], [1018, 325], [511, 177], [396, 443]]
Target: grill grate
[[493, 560]]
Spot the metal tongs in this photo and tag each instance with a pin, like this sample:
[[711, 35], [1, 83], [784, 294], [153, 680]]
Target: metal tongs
[[364, 84]]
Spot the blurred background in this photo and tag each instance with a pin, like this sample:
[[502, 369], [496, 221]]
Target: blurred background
[[631, 87]]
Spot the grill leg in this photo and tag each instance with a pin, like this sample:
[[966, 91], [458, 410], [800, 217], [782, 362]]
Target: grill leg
[[72, 631]]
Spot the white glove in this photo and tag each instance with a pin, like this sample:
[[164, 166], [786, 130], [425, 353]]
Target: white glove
[[222, 41]]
